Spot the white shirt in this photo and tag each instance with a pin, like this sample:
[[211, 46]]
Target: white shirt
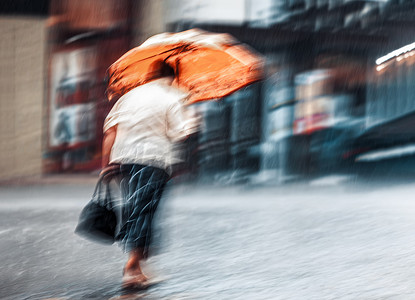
[[150, 119]]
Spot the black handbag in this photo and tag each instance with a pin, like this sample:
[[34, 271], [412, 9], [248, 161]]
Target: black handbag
[[98, 219]]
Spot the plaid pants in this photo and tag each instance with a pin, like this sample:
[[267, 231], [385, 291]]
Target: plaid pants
[[141, 188]]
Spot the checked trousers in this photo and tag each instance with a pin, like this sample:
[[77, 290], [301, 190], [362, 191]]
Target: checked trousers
[[141, 187]]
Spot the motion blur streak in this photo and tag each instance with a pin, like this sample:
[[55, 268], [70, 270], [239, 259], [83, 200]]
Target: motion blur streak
[[298, 186]]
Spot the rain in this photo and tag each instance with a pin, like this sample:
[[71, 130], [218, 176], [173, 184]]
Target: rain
[[295, 181]]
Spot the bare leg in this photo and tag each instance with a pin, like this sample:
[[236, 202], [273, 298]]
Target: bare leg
[[133, 274]]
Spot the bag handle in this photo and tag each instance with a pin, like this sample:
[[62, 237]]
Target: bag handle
[[98, 187], [106, 200]]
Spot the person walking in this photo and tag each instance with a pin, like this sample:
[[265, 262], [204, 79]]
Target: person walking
[[140, 133]]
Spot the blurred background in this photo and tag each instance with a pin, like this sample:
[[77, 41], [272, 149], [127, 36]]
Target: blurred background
[[337, 103], [337, 98]]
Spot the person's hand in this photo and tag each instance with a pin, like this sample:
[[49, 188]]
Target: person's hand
[[109, 171]]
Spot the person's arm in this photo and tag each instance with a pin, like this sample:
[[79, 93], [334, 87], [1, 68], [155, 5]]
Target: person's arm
[[107, 143]]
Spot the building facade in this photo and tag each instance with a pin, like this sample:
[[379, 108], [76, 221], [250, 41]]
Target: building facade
[[336, 89], [22, 89]]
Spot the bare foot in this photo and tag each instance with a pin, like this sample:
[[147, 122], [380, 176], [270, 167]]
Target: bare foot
[[133, 276], [136, 281]]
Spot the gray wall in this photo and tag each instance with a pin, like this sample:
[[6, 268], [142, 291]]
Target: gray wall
[[22, 83]]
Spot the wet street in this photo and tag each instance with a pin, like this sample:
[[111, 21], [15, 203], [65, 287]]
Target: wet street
[[297, 242]]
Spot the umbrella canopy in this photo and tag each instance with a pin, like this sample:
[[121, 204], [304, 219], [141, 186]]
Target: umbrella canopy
[[206, 65]]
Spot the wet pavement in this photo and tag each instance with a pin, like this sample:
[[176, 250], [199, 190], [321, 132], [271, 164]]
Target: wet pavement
[[297, 242]]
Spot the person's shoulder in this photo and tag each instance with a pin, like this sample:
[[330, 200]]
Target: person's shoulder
[[174, 95], [135, 92], [155, 92], [139, 95]]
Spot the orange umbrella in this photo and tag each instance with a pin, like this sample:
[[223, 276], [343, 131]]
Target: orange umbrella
[[207, 65]]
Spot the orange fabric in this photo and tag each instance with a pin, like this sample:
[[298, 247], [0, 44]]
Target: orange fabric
[[205, 72]]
